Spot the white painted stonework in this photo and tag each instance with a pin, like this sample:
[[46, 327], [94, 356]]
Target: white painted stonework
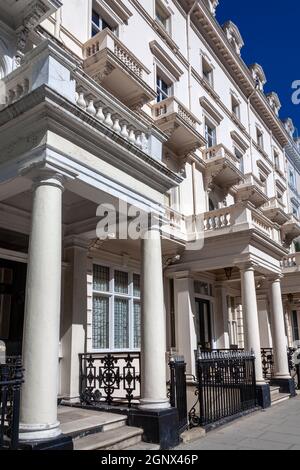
[[124, 106]]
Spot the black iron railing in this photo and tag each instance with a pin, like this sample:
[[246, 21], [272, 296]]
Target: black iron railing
[[110, 378], [11, 379], [267, 360], [226, 386], [178, 390]]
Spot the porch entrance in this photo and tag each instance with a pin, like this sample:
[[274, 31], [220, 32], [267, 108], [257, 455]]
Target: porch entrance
[[12, 303], [204, 330]]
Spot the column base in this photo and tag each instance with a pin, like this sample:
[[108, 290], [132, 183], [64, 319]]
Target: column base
[[160, 426], [287, 385], [263, 395], [42, 432], [60, 443]]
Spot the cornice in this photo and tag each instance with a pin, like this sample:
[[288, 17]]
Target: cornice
[[215, 36]]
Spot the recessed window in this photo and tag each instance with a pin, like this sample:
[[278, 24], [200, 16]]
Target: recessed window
[[207, 71], [296, 336], [295, 211], [210, 134], [99, 23], [163, 89], [240, 156], [292, 178], [276, 160], [260, 138], [116, 323], [162, 16], [235, 107]]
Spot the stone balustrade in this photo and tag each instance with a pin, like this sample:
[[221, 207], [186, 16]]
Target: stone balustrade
[[218, 219], [171, 106], [107, 111], [220, 152], [106, 39], [291, 261], [73, 83], [274, 203]]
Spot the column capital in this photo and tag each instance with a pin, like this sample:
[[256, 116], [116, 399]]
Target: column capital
[[48, 178], [247, 266], [276, 277]]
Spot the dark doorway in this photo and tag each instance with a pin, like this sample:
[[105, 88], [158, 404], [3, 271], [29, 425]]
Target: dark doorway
[[12, 303], [204, 332]]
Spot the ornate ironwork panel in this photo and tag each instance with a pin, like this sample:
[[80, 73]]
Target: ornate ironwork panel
[[110, 378], [225, 386], [11, 379], [267, 360]]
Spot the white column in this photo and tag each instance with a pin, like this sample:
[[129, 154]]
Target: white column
[[154, 391], [278, 329], [252, 336], [42, 313]]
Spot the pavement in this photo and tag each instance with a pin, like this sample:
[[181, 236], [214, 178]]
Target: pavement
[[277, 428]]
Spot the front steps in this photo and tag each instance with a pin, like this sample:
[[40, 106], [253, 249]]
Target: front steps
[[277, 397], [95, 430]]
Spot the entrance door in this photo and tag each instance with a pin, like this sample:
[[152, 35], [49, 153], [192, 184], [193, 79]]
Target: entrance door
[[12, 302], [204, 333]]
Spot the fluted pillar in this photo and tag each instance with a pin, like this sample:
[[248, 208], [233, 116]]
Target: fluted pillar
[[42, 312]]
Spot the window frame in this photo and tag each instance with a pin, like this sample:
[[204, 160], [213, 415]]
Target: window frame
[[162, 16], [111, 294], [209, 75], [213, 127], [105, 17], [260, 138], [162, 95]]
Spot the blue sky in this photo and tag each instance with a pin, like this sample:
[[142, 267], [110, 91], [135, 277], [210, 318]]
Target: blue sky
[[271, 34]]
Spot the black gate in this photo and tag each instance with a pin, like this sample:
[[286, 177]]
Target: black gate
[[178, 393], [226, 386], [11, 379]]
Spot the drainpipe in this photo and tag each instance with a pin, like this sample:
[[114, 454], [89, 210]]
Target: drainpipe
[[188, 25], [249, 127]]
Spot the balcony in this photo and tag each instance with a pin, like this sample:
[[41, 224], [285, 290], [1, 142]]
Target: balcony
[[180, 125], [222, 168], [290, 230], [274, 209], [113, 66], [291, 263], [27, 13], [236, 218], [252, 190]]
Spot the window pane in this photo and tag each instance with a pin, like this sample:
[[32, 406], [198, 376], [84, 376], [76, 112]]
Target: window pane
[[101, 278], [121, 319], [96, 18], [121, 282], [100, 322], [137, 325], [136, 285]]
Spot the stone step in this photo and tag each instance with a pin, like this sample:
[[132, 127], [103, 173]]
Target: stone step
[[282, 397], [117, 439], [78, 423], [144, 446], [275, 391]]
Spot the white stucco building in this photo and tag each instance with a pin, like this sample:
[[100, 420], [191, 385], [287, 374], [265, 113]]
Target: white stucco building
[[149, 103]]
